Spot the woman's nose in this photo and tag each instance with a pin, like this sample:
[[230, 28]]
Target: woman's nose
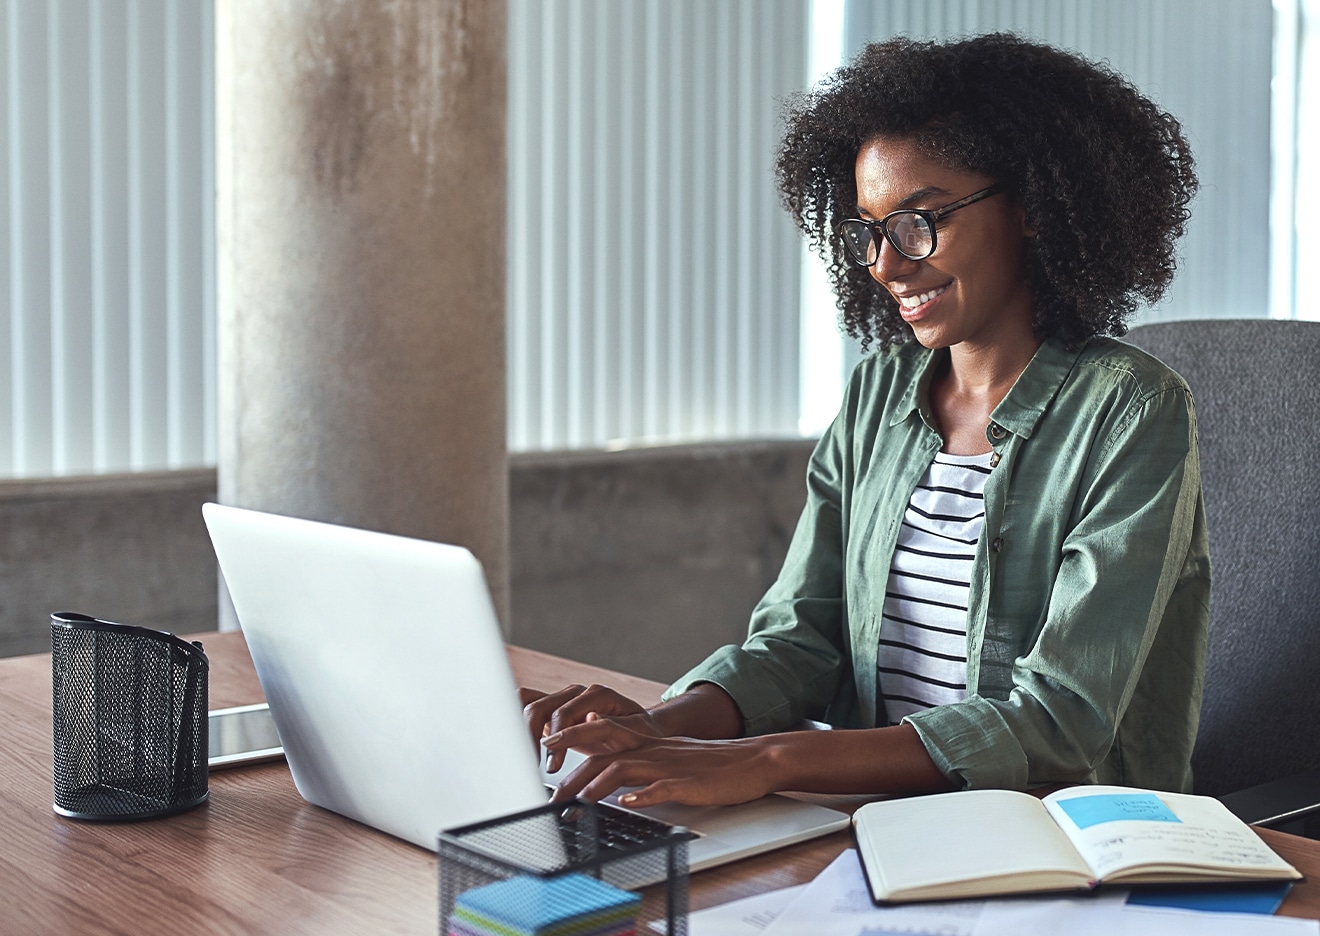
[[890, 264]]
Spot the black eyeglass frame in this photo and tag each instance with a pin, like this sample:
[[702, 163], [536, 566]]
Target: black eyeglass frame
[[881, 227]]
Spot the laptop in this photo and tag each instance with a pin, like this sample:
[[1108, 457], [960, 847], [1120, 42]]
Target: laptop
[[387, 677]]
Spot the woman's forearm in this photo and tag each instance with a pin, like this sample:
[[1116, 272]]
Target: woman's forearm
[[872, 760], [876, 760]]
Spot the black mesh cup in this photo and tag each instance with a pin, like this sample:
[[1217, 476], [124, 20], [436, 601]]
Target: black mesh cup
[[130, 720]]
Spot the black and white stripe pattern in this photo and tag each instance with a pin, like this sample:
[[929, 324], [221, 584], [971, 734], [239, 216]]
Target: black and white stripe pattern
[[923, 634]]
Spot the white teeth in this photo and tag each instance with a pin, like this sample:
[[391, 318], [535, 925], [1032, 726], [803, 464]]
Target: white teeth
[[911, 302]]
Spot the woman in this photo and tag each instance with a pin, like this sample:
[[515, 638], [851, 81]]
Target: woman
[[1001, 577]]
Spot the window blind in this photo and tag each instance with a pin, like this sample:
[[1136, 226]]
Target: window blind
[[652, 276], [106, 259]]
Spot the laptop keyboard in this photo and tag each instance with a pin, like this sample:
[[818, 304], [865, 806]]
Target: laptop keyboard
[[615, 830]]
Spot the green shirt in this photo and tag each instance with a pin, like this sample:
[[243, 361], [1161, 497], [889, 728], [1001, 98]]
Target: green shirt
[[1089, 600]]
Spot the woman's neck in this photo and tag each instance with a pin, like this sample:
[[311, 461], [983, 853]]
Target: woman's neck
[[974, 380], [987, 372]]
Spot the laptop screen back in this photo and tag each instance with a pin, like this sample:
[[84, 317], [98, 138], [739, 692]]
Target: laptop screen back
[[385, 671]]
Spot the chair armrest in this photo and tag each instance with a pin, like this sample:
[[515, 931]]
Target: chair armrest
[[1278, 801]]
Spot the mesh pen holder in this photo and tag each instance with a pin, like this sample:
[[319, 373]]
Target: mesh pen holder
[[130, 720], [557, 841]]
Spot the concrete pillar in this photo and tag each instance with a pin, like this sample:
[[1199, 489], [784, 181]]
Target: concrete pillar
[[360, 280]]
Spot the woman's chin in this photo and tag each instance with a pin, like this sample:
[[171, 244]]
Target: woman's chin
[[929, 335]]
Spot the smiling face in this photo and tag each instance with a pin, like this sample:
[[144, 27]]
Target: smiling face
[[973, 288]]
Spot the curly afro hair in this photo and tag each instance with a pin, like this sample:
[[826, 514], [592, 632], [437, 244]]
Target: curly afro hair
[[1103, 175]]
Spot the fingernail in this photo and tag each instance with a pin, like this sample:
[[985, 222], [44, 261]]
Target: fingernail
[[554, 738], [628, 798]]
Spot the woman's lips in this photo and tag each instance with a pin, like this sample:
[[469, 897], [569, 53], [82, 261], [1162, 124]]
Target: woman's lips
[[913, 306]]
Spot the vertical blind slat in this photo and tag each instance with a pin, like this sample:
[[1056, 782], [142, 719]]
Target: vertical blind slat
[[606, 214], [30, 243], [8, 101], [150, 243], [204, 49], [648, 350], [724, 187], [111, 290], [519, 214], [573, 362], [698, 207], [70, 274]]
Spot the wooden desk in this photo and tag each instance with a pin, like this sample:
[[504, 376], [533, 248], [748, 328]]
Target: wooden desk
[[258, 859]]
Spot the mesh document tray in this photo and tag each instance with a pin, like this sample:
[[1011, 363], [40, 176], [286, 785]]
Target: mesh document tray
[[620, 849], [130, 720]]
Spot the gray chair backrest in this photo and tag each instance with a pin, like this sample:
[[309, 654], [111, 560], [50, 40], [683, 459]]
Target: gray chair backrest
[[1256, 387]]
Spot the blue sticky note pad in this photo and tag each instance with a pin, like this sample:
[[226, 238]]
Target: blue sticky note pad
[[532, 906], [1087, 811], [1222, 898]]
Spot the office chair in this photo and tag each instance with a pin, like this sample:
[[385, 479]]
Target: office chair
[[1256, 388]]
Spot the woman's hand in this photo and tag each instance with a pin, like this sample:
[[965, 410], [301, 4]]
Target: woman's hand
[[549, 714], [703, 711], [680, 770]]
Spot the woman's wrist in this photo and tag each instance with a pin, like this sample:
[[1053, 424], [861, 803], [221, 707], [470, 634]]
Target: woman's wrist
[[776, 761], [705, 711], [863, 761]]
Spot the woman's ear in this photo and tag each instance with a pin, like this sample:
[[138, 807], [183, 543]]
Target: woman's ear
[[1027, 230]]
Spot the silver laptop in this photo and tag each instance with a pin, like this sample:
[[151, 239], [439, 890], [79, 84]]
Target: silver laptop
[[387, 677]]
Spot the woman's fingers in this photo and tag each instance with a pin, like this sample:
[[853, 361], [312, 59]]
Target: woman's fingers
[[669, 770], [528, 696], [598, 735], [593, 700], [550, 714], [668, 790], [592, 737], [601, 740], [539, 708]]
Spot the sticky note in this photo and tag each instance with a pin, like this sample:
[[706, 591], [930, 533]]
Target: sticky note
[[566, 905], [1087, 811], [1224, 898]]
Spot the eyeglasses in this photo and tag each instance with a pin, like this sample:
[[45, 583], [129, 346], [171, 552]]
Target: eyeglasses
[[910, 230]]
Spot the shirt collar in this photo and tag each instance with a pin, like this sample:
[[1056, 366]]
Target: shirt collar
[[1026, 401], [916, 397], [1035, 388]]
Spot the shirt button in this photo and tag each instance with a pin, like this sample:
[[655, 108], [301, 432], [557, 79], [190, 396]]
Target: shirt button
[[997, 432], [994, 459], [997, 543]]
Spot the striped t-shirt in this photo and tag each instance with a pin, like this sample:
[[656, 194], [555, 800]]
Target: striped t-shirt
[[923, 634]]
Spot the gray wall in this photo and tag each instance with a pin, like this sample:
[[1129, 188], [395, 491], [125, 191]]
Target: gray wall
[[129, 548], [642, 560], [645, 560]]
